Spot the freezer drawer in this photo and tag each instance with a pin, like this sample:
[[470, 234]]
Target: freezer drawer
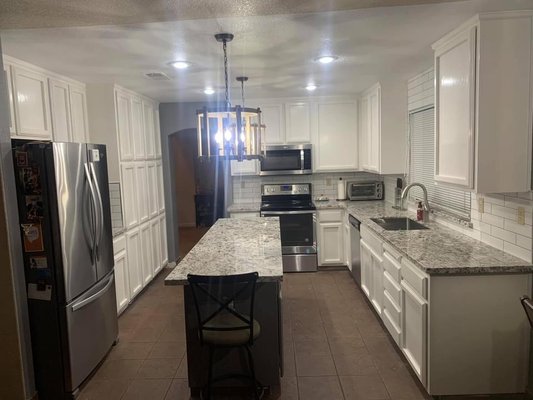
[[92, 328]]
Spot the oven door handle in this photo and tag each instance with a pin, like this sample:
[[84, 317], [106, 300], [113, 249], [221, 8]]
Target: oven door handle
[[276, 213]]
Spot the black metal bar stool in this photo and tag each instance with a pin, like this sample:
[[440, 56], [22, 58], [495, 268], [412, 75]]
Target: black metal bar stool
[[225, 312]]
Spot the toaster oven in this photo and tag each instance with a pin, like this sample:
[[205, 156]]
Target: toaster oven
[[364, 190]]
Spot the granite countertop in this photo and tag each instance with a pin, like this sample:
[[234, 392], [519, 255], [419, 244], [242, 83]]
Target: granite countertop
[[244, 207], [438, 250], [234, 246]]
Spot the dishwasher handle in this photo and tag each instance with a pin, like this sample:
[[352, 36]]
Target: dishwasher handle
[[354, 222]]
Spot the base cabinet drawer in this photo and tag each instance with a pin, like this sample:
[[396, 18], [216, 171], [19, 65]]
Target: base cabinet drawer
[[392, 288], [393, 329]]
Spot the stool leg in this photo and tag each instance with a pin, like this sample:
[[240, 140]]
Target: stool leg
[[210, 373], [252, 371]]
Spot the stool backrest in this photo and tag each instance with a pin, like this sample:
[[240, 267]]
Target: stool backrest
[[233, 294], [528, 306]]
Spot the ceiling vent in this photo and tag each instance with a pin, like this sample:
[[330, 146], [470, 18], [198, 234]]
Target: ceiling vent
[[157, 76]]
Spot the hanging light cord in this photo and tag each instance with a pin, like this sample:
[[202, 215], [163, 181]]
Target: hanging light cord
[[224, 47], [242, 92]]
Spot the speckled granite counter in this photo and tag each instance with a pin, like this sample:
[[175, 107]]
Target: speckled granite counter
[[438, 250], [244, 207], [234, 246]]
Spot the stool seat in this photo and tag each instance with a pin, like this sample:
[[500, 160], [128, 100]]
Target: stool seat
[[233, 337]]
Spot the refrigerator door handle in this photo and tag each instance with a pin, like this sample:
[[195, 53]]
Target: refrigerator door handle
[[90, 299], [100, 213], [95, 206]]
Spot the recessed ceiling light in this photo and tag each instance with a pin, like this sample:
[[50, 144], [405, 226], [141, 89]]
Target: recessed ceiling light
[[311, 87], [209, 90], [180, 64], [326, 59]]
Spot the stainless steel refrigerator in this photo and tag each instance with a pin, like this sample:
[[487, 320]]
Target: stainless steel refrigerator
[[65, 221]]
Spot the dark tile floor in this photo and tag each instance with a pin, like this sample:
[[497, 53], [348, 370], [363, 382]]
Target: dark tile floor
[[335, 348]]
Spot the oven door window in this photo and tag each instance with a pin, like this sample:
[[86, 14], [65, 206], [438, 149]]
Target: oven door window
[[297, 231], [281, 160]]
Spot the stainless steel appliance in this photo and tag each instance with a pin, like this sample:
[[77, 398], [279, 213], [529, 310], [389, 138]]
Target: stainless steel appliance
[[292, 203], [355, 239], [364, 190], [287, 160], [65, 217]]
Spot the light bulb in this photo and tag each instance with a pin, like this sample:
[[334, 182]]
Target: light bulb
[[209, 90], [218, 137], [180, 64], [310, 87], [326, 59], [227, 135]]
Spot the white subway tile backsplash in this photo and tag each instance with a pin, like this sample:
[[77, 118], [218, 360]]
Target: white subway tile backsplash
[[517, 251], [523, 242], [116, 206], [492, 241], [524, 230], [492, 219], [498, 199], [504, 212], [503, 234]]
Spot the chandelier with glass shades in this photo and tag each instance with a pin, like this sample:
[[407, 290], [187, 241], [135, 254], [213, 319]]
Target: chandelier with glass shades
[[232, 132]]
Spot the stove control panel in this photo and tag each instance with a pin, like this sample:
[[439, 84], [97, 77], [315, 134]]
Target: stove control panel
[[286, 189]]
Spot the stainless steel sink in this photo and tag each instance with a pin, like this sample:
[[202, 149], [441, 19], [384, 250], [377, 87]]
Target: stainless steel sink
[[398, 224]]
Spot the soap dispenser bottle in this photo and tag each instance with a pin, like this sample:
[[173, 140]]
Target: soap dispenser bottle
[[419, 212]]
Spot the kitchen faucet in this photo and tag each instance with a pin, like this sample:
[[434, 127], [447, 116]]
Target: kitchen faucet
[[425, 210]]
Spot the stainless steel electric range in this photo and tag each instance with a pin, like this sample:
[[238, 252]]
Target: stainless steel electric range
[[293, 204]]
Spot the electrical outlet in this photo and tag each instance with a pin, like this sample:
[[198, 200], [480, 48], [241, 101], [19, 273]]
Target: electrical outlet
[[521, 215], [328, 181], [481, 205]]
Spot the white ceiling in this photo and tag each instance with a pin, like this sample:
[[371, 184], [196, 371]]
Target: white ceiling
[[275, 51]]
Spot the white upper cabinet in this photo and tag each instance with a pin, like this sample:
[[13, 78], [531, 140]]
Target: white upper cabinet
[[60, 105], [272, 117], [297, 123], [152, 189], [78, 114], [142, 191], [483, 104], [129, 195], [9, 81], [335, 142], [32, 104], [382, 139], [137, 129], [157, 133], [125, 135], [149, 128], [160, 187], [455, 65]]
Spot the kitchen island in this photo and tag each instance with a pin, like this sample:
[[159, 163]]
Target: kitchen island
[[237, 246]]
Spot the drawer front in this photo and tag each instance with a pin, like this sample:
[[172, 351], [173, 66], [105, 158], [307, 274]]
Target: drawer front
[[415, 277], [119, 244], [392, 251], [392, 266], [372, 240], [393, 288], [330, 215], [393, 310], [393, 329]]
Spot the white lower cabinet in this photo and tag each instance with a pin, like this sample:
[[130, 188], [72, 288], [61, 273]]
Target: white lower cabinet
[[133, 247], [163, 239], [156, 258], [366, 269], [121, 273], [330, 238], [372, 274], [147, 264], [414, 335]]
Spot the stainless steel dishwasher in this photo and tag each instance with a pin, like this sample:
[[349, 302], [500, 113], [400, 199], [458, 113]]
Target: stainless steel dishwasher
[[355, 238]]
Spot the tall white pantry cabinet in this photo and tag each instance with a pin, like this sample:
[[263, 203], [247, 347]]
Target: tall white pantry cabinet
[[484, 103], [128, 124]]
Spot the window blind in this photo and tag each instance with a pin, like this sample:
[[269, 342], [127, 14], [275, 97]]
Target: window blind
[[422, 167]]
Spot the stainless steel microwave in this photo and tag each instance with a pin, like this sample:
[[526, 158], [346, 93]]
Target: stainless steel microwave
[[291, 159], [361, 190]]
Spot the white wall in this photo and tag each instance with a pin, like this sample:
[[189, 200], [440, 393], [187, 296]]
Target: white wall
[[497, 225]]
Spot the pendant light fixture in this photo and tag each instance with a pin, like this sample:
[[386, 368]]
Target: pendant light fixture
[[232, 132]]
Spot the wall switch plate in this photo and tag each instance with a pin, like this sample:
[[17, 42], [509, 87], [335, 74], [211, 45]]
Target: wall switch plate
[[521, 215], [481, 205], [328, 181]]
